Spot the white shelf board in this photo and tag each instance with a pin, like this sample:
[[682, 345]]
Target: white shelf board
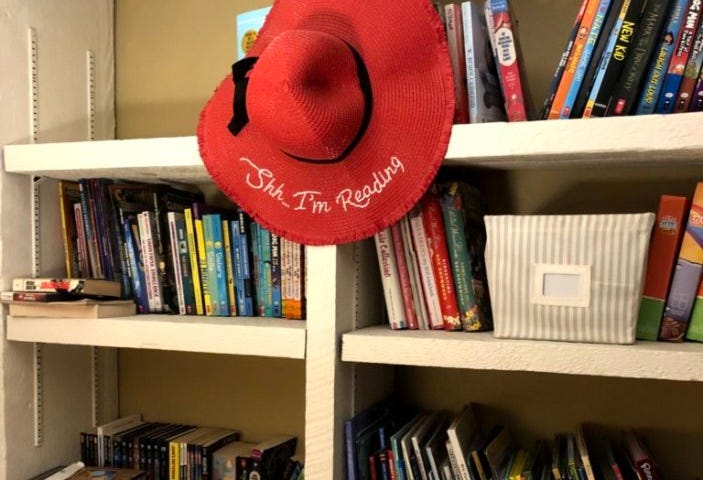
[[481, 351], [640, 140], [265, 337], [174, 159]]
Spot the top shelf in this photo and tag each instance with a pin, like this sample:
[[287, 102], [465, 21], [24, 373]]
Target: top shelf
[[643, 140]]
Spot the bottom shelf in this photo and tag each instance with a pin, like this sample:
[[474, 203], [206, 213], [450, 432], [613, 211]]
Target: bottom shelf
[[267, 337], [482, 351]]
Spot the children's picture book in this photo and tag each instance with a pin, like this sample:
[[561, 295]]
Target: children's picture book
[[248, 26]]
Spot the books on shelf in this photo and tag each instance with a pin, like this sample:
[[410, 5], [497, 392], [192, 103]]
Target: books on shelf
[[85, 308]]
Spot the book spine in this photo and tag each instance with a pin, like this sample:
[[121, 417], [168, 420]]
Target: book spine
[[238, 267], [138, 277], [661, 57], [687, 274], [81, 244], [187, 278], [215, 265], [173, 461], [587, 47], [424, 259], [298, 303], [246, 252], [559, 71], [390, 279], [455, 41], [485, 97], [119, 246], [176, 260], [257, 268], [68, 229], [231, 295], [608, 69], [350, 450], [690, 76], [582, 36], [89, 229], [98, 188], [149, 258], [166, 275], [697, 100], [648, 31], [508, 61], [695, 327], [194, 263], [414, 273], [203, 266], [286, 270], [276, 308], [265, 262], [404, 276], [679, 59], [441, 265], [220, 265]]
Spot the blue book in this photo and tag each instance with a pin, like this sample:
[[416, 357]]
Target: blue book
[[585, 59], [400, 467], [265, 270], [248, 26], [220, 265], [660, 60], [136, 268], [213, 281], [244, 252], [276, 304]]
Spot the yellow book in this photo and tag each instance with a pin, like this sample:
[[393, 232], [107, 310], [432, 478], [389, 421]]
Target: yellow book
[[194, 264], [518, 465], [230, 268], [174, 460], [202, 261]]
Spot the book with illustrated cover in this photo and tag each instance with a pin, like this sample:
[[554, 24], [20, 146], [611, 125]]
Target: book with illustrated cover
[[275, 248], [697, 99], [173, 217], [147, 237], [659, 65], [663, 251], [507, 51], [224, 459], [248, 26], [484, 92], [272, 455], [695, 327], [679, 58], [186, 273], [641, 458], [690, 74], [242, 273]]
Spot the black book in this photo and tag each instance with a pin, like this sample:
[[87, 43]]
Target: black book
[[636, 66], [616, 62], [592, 70]]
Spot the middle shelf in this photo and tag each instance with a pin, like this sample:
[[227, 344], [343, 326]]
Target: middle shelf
[[259, 336], [482, 351]]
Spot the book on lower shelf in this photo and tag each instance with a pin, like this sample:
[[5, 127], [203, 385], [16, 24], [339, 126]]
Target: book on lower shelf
[[85, 308]]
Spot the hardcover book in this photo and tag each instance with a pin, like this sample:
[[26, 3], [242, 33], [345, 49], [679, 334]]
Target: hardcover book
[[248, 26], [80, 287], [690, 74], [390, 279], [406, 288], [69, 194], [75, 309], [455, 41]]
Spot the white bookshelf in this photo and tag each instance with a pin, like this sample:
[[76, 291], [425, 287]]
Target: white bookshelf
[[482, 351], [265, 337]]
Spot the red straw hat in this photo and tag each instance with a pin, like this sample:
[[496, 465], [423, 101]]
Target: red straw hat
[[336, 123]]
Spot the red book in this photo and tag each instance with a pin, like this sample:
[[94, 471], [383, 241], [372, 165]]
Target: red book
[[506, 51], [441, 264], [455, 41], [404, 277]]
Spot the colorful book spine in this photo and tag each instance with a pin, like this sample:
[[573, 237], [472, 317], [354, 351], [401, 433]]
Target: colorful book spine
[[136, 266], [227, 242], [276, 294], [151, 272], [265, 272], [186, 271], [194, 263], [613, 58], [663, 250], [404, 276], [286, 276], [660, 61], [648, 30], [584, 61], [679, 59], [455, 41], [697, 100], [577, 50], [424, 261], [686, 276], [485, 98], [246, 264], [81, 244], [222, 297], [256, 268], [390, 279], [690, 75], [213, 280], [298, 302], [413, 270], [176, 260], [96, 270], [695, 327], [559, 72], [508, 61], [203, 265], [441, 263]]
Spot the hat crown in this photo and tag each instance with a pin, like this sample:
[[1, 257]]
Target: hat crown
[[305, 95]]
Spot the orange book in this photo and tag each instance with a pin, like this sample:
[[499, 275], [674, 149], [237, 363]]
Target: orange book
[[574, 57]]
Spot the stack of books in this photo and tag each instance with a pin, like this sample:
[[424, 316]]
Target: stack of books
[[172, 253], [432, 263], [386, 442]]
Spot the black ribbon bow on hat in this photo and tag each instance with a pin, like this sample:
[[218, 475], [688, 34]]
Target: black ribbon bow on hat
[[241, 82]]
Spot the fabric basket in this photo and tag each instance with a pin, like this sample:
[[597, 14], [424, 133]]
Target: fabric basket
[[574, 278]]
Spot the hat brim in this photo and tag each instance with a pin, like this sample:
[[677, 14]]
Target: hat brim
[[403, 46]]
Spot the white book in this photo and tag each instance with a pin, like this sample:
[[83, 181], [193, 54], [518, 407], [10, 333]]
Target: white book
[[390, 279], [67, 472], [109, 428], [151, 272], [172, 217], [414, 274], [452, 461], [463, 433], [424, 261], [583, 453], [407, 447]]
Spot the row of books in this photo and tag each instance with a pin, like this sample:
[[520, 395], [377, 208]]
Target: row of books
[[386, 442], [627, 57], [172, 253], [168, 451], [432, 263], [485, 54], [78, 471], [672, 301]]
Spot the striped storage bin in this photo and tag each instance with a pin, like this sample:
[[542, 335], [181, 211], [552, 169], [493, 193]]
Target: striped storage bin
[[574, 278]]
